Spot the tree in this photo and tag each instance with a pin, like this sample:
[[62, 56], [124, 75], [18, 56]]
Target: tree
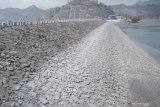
[[135, 19]]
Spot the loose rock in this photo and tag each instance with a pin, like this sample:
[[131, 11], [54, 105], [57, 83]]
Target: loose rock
[[13, 52], [1, 67], [9, 104], [43, 100], [26, 65], [17, 87], [1, 82], [2, 54], [4, 63], [10, 68]]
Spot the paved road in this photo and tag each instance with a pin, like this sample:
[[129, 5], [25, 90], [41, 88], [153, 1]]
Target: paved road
[[89, 74]]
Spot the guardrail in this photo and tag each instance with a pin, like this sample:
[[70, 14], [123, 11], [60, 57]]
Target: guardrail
[[23, 23]]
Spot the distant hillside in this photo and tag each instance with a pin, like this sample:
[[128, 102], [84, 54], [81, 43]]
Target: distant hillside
[[15, 14], [146, 9], [153, 2], [75, 9], [79, 9]]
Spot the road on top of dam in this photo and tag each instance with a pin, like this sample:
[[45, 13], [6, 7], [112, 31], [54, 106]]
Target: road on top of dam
[[92, 73]]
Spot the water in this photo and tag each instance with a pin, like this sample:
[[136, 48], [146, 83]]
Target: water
[[147, 36]]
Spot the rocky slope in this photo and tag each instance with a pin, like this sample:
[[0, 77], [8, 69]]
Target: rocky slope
[[24, 49], [102, 69], [88, 74]]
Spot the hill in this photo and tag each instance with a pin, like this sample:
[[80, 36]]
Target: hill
[[155, 2], [146, 9], [16, 14], [76, 9]]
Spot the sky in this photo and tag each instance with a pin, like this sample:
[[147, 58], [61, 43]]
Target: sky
[[45, 4]]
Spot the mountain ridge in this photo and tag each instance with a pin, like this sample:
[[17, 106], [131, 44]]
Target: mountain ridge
[[16, 14], [144, 9]]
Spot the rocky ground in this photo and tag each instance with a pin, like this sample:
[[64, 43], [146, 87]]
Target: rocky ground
[[104, 69], [23, 50], [88, 74]]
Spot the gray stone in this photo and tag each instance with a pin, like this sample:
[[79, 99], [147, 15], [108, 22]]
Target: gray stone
[[1, 66], [32, 67], [2, 54], [4, 81], [57, 95], [43, 100], [55, 59], [26, 65], [3, 63], [23, 60], [17, 87], [31, 84], [91, 105], [7, 56], [7, 63], [70, 85], [10, 68], [1, 82], [79, 81], [87, 82], [13, 52], [33, 94], [14, 77], [9, 104], [110, 102], [45, 88]]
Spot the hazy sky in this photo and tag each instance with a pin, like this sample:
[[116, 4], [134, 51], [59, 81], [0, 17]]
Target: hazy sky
[[52, 3]]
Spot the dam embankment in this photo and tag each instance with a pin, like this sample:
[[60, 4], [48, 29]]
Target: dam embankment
[[24, 49], [103, 69], [143, 73]]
